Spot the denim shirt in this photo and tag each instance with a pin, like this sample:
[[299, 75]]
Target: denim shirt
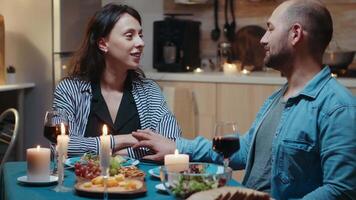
[[314, 146]]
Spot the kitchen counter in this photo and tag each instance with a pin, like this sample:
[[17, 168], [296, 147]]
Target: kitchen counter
[[17, 86], [269, 77]]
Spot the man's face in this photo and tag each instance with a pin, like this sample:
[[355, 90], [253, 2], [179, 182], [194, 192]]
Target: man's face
[[275, 41]]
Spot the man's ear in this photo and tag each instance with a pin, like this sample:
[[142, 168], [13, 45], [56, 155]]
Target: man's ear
[[103, 45], [296, 33]]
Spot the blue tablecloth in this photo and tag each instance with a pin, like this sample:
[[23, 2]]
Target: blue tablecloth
[[12, 190]]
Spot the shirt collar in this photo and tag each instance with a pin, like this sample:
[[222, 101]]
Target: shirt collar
[[316, 84]]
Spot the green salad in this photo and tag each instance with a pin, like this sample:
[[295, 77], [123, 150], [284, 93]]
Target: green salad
[[187, 185]]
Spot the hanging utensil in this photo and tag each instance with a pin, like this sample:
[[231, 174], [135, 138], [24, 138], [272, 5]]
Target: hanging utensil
[[232, 28], [2, 50], [229, 29], [226, 25], [215, 33]]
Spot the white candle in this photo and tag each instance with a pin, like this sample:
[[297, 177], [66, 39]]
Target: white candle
[[38, 160], [229, 68], [62, 143], [105, 150], [176, 162]]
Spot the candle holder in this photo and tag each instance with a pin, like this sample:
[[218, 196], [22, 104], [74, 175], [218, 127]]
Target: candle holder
[[60, 164], [105, 166], [105, 155], [105, 177], [62, 147]]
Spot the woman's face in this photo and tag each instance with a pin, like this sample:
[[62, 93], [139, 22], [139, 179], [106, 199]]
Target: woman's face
[[124, 43]]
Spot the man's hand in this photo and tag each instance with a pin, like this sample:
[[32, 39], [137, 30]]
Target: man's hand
[[159, 144]]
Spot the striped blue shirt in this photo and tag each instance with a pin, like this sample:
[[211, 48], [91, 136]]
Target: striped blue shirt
[[73, 96]]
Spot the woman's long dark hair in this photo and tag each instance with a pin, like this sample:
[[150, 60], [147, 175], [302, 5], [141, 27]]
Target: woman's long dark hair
[[88, 62]]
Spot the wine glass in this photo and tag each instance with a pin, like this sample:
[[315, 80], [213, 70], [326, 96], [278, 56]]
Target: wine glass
[[225, 140], [52, 128]]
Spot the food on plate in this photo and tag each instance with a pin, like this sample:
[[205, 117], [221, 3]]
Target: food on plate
[[121, 179], [131, 172], [112, 183], [88, 167], [189, 185], [198, 177]]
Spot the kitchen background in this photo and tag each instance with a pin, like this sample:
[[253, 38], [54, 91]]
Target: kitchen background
[[29, 42]]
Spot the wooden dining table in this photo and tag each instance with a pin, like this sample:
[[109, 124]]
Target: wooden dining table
[[11, 189]]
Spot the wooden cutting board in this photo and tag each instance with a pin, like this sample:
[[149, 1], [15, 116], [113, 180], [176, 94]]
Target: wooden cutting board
[[2, 50]]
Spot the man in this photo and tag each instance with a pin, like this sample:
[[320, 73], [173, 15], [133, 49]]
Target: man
[[302, 143]]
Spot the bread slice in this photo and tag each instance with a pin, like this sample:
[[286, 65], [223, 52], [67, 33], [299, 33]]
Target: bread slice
[[230, 193]]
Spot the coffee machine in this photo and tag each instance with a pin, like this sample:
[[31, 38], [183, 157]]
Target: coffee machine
[[176, 45]]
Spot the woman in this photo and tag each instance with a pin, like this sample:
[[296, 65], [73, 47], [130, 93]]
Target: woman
[[107, 87]]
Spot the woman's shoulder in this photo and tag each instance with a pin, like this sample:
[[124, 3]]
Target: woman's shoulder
[[149, 90], [73, 83], [147, 84]]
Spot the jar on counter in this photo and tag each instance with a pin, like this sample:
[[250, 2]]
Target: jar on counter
[[224, 54]]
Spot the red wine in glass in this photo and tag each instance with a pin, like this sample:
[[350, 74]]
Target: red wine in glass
[[52, 128], [51, 132], [52, 124], [226, 145], [225, 140]]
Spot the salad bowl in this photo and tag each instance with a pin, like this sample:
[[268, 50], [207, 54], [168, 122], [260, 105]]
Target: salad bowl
[[197, 177]]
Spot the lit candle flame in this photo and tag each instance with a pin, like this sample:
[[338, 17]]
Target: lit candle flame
[[176, 152], [38, 147], [245, 71], [105, 130], [63, 129]]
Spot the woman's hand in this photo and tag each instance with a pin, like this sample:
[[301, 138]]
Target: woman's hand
[[124, 141], [157, 143]]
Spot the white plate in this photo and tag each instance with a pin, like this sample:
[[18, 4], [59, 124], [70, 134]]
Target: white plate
[[71, 161], [155, 172], [160, 187], [24, 179]]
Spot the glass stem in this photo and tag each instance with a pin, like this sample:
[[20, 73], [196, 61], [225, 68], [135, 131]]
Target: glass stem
[[55, 160], [60, 171], [226, 163], [106, 174]]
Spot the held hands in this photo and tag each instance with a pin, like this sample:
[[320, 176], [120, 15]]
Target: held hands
[[124, 141], [159, 144]]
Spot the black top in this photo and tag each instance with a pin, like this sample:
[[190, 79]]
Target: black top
[[127, 119]]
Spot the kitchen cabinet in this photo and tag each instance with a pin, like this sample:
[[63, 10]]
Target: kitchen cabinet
[[194, 106], [353, 90], [241, 102]]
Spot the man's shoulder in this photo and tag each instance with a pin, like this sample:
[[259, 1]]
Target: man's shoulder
[[335, 95]]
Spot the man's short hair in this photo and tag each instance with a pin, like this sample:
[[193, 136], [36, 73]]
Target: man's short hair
[[316, 20]]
